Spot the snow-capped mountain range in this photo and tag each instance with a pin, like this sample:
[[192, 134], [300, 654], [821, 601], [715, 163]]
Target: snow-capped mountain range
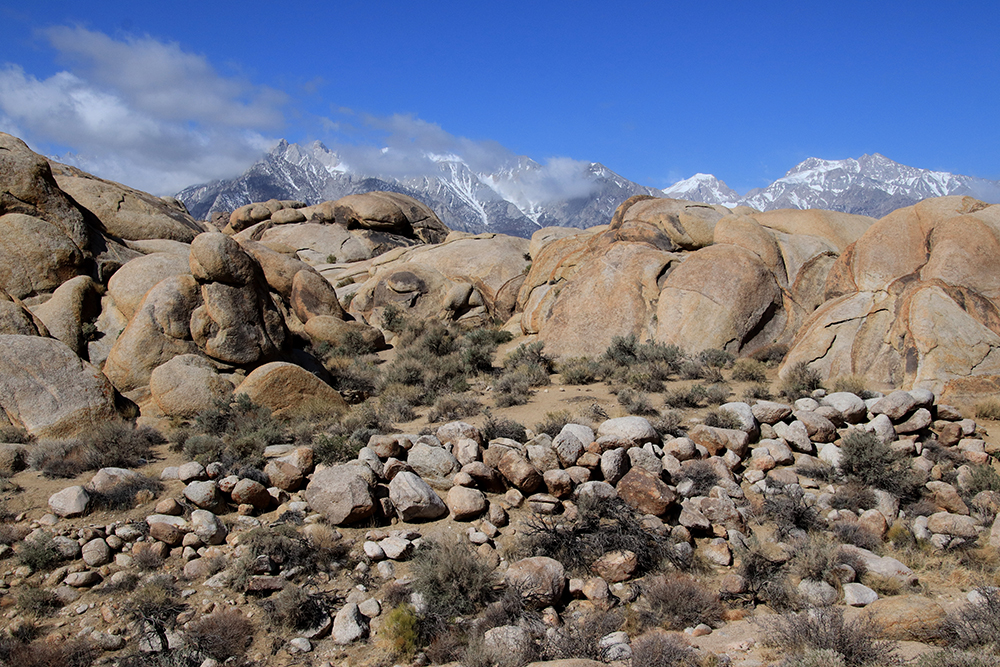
[[871, 185], [521, 195], [517, 198]]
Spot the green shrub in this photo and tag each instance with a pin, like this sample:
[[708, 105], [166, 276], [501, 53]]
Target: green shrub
[[392, 318], [399, 632], [579, 370], [717, 394], [870, 462], [982, 477], [859, 641], [530, 354], [815, 658], [244, 428], [110, 444], [800, 381], [453, 579], [749, 370]]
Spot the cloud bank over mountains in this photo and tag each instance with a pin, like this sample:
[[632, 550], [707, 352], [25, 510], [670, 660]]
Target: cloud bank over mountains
[[155, 116]]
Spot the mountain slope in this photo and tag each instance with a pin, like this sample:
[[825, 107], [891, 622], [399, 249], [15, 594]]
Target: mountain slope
[[517, 198], [871, 185]]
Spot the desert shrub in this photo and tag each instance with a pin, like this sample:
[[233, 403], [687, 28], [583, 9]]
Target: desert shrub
[[854, 384], [554, 422], [691, 369], [772, 355], [44, 652], [282, 545], [717, 394], [850, 532], [38, 552], [392, 318], [580, 637], [502, 427], [397, 403], [579, 370], [244, 428], [764, 573], [800, 381], [635, 402], [716, 358], [126, 494], [858, 641], [692, 397], [749, 370], [37, 601], [815, 658], [953, 658], [981, 477], [452, 407], [756, 392], [14, 434], [148, 559], [400, 632], [787, 508], [988, 409], [976, 624], [722, 419], [111, 444], [355, 377], [701, 474], [601, 526], [643, 366], [660, 649], [293, 609], [821, 471], [512, 389], [814, 558], [223, 635], [530, 355], [870, 462], [153, 608], [853, 496], [668, 422], [677, 601], [453, 579], [478, 654]]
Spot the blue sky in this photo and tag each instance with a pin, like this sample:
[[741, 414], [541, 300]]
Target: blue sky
[[162, 95]]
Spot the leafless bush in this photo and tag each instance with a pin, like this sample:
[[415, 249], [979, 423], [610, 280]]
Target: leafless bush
[[222, 635], [859, 642], [661, 649], [677, 601]]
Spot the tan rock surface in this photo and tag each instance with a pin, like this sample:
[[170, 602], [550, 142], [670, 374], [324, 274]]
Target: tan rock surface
[[285, 388]]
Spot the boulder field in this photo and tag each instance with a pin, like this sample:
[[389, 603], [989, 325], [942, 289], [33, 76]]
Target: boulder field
[[119, 284]]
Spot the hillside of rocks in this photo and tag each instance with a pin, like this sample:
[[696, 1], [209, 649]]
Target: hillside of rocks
[[306, 434]]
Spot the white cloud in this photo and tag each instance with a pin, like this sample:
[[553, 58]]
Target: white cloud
[[139, 111], [403, 145]]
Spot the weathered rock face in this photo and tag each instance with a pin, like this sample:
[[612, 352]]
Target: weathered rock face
[[159, 331], [50, 391], [913, 302], [127, 213], [35, 255], [16, 318], [74, 302], [389, 212], [449, 281], [285, 388], [131, 282], [749, 280], [341, 493], [237, 321], [186, 385]]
